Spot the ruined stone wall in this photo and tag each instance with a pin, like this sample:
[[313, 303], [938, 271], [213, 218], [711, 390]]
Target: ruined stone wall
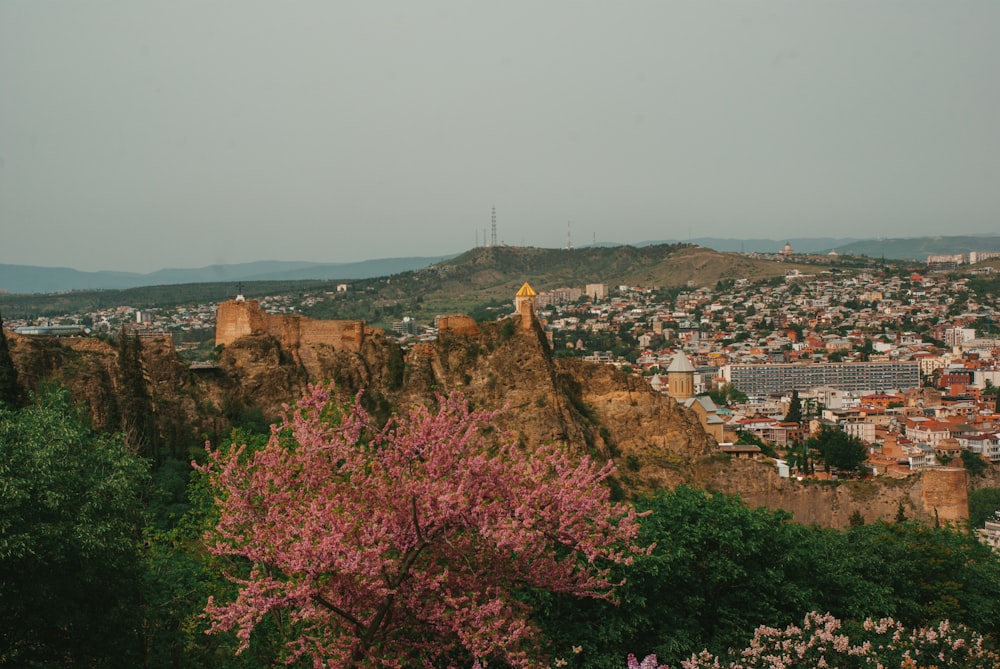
[[459, 324], [240, 319], [342, 335]]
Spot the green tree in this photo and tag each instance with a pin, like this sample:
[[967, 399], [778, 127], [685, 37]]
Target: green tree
[[720, 569], [973, 463], [838, 449], [747, 438], [727, 394], [794, 414], [717, 571], [179, 577], [70, 514], [983, 505], [920, 574], [866, 349], [991, 391], [10, 388]]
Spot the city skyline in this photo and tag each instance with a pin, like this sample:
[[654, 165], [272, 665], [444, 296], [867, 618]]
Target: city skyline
[[140, 137]]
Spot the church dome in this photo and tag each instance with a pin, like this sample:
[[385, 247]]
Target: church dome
[[680, 363]]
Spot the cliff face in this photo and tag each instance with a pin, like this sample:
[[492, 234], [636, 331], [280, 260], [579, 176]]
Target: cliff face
[[158, 388], [589, 409], [87, 367], [501, 365], [933, 496]]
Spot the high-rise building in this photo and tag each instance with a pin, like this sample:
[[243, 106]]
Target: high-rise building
[[770, 378]]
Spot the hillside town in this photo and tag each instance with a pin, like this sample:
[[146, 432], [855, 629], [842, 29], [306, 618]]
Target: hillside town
[[906, 362]]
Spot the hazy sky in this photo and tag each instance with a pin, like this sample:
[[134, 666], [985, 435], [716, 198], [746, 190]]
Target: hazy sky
[[137, 135]]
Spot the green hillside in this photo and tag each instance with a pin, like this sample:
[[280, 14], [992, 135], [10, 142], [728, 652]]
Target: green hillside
[[481, 276]]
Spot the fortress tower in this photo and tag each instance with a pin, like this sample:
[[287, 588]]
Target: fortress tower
[[524, 305]]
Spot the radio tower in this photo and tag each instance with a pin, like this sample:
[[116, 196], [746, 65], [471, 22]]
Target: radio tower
[[493, 238], [569, 237]]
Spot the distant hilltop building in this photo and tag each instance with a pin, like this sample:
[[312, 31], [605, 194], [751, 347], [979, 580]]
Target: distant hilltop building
[[597, 291], [56, 330], [556, 296], [944, 263]]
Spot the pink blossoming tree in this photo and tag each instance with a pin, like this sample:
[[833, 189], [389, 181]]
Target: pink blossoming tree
[[407, 545], [823, 641]]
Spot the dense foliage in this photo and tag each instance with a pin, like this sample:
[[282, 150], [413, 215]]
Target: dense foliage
[[720, 569], [839, 450], [794, 414], [10, 388], [983, 505], [91, 580], [70, 516]]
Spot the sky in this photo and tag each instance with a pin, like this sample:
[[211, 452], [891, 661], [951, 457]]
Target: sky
[[136, 136]]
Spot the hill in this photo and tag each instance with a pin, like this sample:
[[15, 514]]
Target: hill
[[760, 245], [31, 279], [479, 277], [489, 276]]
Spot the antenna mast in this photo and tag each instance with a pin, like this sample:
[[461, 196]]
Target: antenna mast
[[493, 241], [569, 236]]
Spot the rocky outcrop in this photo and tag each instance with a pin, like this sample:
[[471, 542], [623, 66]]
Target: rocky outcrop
[[653, 438], [589, 409], [501, 365], [86, 367]]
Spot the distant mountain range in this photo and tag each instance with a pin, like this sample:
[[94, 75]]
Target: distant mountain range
[[33, 279]]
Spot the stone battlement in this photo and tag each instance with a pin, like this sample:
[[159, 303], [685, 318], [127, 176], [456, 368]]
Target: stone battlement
[[458, 324], [240, 318]]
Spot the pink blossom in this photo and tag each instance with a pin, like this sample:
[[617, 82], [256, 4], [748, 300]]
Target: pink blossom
[[394, 546]]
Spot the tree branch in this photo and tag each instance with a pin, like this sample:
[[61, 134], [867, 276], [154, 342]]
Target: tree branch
[[327, 604], [416, 523]]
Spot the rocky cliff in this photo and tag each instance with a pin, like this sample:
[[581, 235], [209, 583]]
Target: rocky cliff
[[589, 409]]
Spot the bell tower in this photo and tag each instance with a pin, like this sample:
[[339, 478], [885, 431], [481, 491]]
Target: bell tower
[[680, 377]]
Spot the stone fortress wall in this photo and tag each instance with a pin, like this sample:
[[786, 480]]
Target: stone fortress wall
[[240, 318]]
